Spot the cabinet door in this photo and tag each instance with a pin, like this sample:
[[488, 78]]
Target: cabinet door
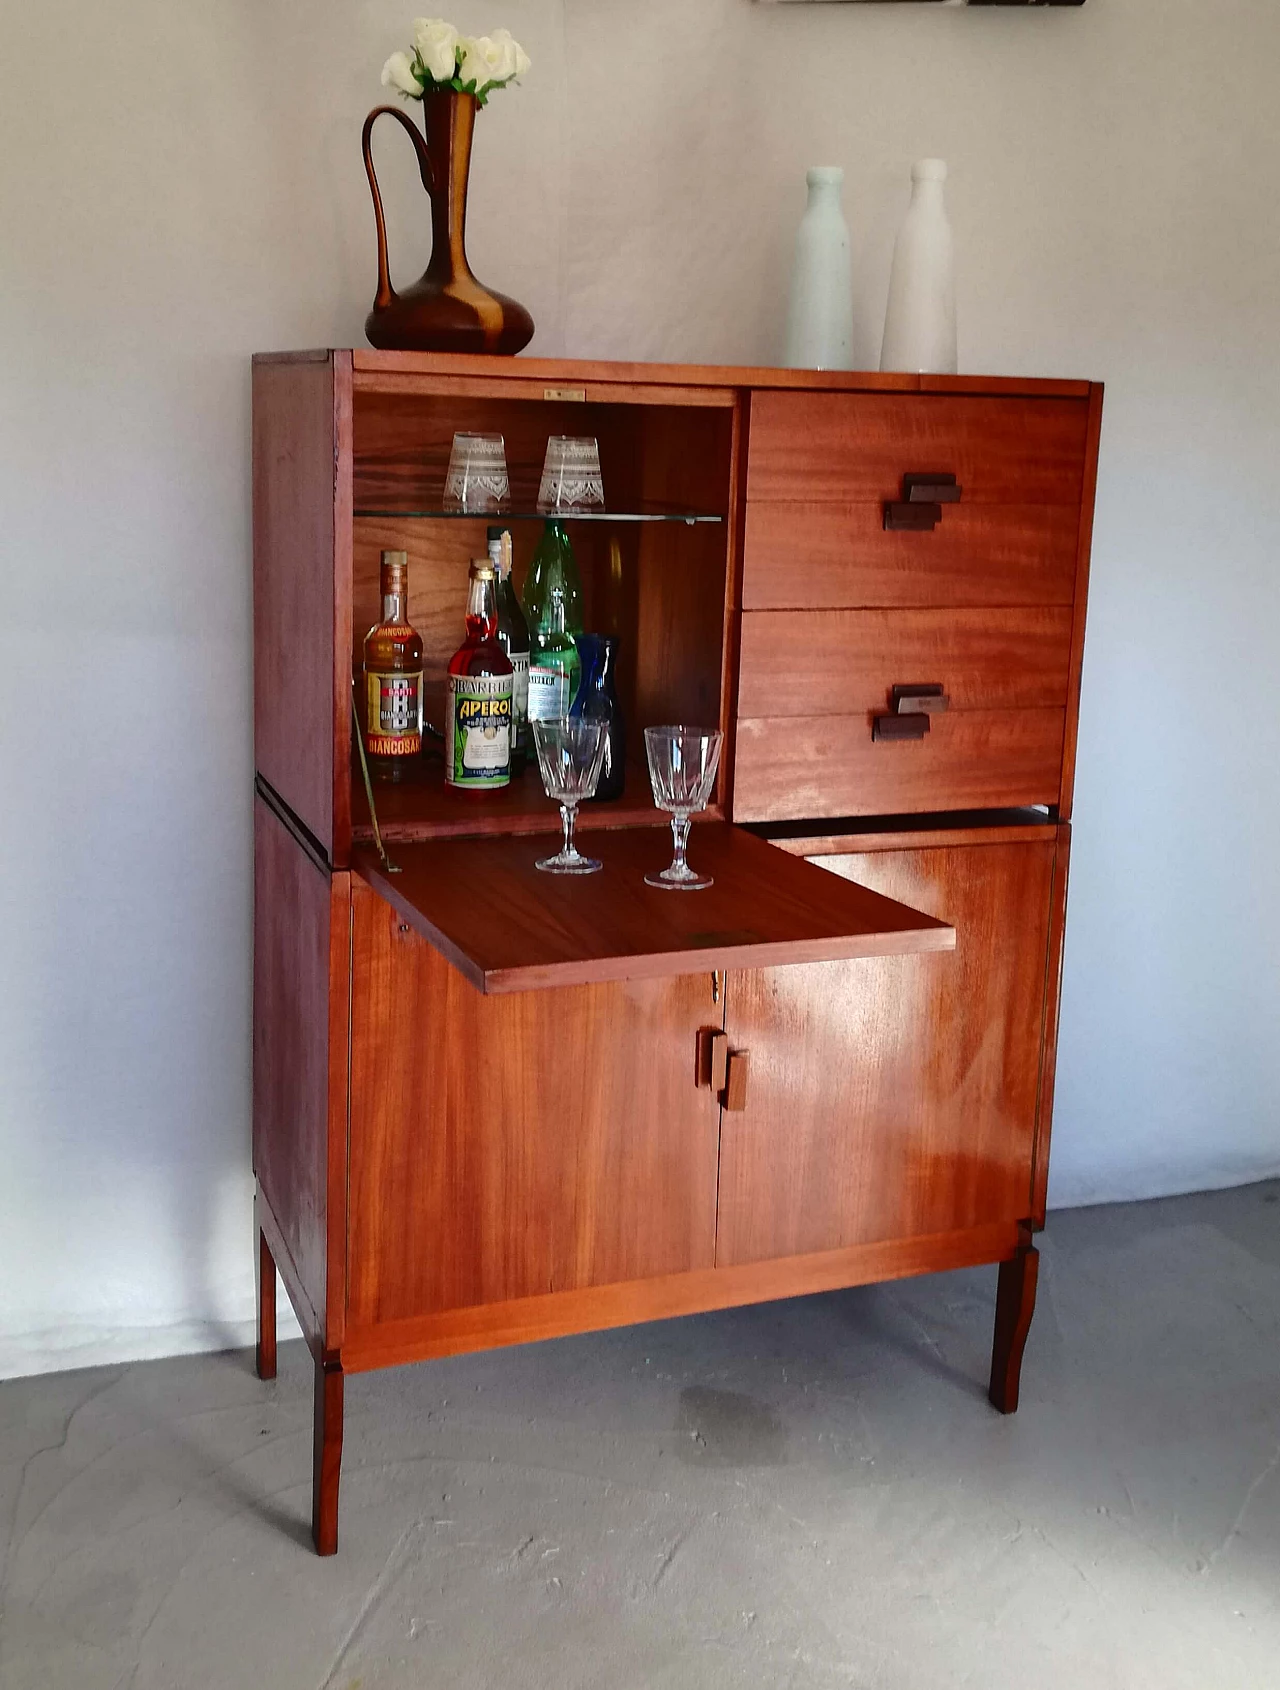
[[507, 928], [506, 1146], [894, 1097]]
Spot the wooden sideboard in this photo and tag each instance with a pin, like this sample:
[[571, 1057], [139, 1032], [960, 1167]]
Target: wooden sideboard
[[492, 1106]]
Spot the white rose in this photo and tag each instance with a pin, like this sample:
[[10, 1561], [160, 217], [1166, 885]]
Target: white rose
[[398, 73], [480, 59], [437, 44], [515, 61]]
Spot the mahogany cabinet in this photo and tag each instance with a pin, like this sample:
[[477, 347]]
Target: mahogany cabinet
[[491, 1105]]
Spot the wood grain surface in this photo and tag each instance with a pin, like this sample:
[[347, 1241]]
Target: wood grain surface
[[802, 555], [300, 994], [984, 659], [553, 1314], [265, 1357], [507, 927], [1015, 1306], [423, 807], [371, 364], [830, 766], [1052, 1011], [294, 631], [508, 1147], [894, 1098], [835, 448], [403, 439], [916, 833], [1084, 549]]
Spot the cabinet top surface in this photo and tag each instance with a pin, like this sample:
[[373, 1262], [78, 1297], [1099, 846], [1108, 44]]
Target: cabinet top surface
[[531, 929], [369, 363]]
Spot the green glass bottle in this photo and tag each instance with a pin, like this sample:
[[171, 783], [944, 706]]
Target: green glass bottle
[[513, 637], [553, 610]]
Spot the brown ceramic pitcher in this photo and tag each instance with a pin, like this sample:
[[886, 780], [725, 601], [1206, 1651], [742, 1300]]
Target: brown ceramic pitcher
[[446, 310]]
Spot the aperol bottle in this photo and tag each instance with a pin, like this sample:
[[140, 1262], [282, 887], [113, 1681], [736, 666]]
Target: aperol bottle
[[477, 715]]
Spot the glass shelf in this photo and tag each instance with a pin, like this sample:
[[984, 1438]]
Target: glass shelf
[[648, 513]]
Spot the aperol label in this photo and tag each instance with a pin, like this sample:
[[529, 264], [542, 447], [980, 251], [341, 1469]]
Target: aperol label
[[478, 731]]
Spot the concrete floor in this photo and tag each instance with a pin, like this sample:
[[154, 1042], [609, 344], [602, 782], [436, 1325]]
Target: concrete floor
[[807, 1494]]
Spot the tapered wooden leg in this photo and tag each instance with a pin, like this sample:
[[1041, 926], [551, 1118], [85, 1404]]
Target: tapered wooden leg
[[1015, 1305], [266, 1309], [328, 1457]]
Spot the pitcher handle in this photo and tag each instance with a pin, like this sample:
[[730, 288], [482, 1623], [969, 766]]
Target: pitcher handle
[[386, 293]]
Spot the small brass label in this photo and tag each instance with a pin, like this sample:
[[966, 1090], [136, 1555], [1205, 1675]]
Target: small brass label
[[576, 394]]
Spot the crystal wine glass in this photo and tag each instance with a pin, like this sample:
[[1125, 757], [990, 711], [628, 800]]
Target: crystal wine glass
[[570, 755], [682, 768]]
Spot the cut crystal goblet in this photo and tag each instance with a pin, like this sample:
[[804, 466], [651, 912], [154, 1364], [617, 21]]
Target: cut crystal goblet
[[570, 754], [682, 770]]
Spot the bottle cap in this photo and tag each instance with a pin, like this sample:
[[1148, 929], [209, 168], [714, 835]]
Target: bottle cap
[[824, 173], [495, 533], [481, 569], [395, 560], [929, 170]]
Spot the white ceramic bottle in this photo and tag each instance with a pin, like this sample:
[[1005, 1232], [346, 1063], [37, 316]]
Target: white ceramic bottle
[[920, 323], [820, 316]]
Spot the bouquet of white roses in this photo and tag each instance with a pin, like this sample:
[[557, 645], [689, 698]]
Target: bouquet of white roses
[[441, 58]]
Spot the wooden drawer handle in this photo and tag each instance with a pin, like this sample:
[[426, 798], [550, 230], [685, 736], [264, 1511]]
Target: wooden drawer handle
[[924, 492], [903, 517], [927, 696], [930, 487], [912, 726]]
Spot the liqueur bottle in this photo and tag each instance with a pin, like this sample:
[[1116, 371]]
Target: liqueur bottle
[[477, 712], [553, 611], [393, 679], [513, 637], [597, 701]]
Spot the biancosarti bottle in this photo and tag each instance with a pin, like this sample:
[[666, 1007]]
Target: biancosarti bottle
[[513, 637], [920, 321], [553, 612], [392, 678], [597, 701], [820, 314], [477, 713]]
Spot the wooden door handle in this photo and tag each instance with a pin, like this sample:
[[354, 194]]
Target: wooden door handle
[[712, 1059], [735, 1090]]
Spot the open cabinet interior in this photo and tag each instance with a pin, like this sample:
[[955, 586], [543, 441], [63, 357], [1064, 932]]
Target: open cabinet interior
[[655, 568]]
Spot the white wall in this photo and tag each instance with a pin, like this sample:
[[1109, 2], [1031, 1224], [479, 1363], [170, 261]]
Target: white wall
[[181, 184]]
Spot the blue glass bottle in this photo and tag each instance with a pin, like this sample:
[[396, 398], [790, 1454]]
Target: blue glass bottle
[[597, 700]]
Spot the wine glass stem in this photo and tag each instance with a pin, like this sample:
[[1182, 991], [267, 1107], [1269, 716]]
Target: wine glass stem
[[568, 817], [680, 834]]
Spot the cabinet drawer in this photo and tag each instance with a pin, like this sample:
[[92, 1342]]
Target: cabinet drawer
[[788, 768], [821, 468], [804, 556], [807, 663]]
